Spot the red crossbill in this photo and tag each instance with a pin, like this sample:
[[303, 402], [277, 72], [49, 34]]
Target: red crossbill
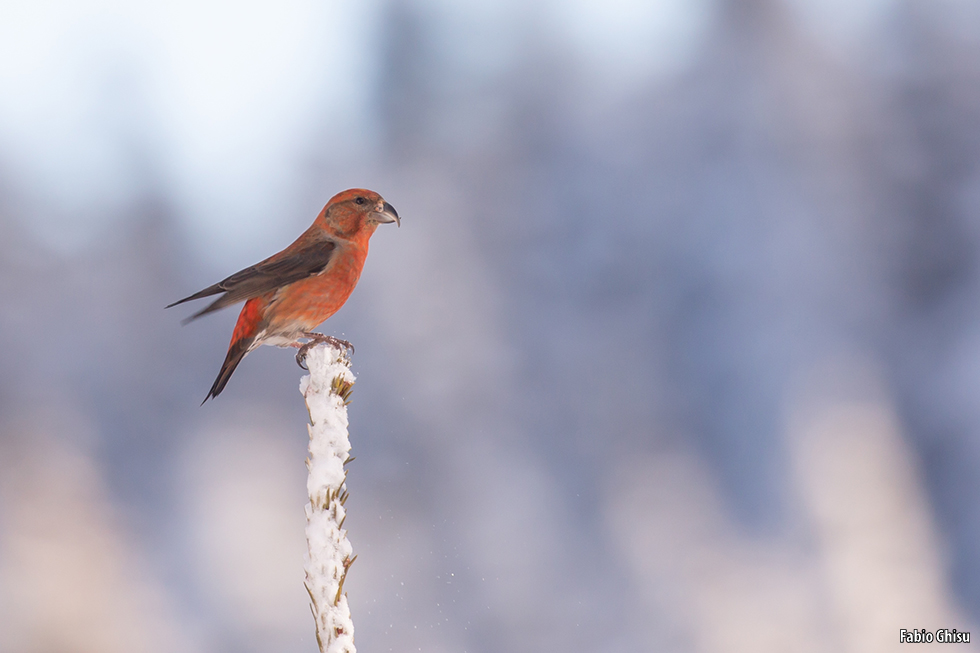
[[288, 294]]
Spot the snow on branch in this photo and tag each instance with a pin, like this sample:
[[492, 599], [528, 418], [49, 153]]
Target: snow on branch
[[327, 391]]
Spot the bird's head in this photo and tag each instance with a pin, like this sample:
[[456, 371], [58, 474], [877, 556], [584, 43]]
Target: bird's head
[[358, 211]]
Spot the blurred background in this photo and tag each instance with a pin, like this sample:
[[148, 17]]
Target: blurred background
[[677, 348]]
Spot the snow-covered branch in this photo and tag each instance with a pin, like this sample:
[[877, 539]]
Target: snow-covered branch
[[327, 390]]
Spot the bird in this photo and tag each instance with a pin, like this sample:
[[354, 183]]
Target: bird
[[290, 293]]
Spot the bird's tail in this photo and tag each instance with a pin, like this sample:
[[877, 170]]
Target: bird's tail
[[236, 352], [242, 342]]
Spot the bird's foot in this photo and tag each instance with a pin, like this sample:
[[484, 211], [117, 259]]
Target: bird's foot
[[316, 339]]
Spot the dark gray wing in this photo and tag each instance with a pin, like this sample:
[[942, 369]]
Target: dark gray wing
[[277, 271]]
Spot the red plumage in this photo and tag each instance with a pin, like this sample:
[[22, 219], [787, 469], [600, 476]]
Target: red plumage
[[288, 294]]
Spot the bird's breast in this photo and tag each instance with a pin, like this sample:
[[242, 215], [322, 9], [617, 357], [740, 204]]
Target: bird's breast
[[304, 304]]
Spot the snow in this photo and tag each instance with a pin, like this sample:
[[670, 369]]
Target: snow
[[330, 552]]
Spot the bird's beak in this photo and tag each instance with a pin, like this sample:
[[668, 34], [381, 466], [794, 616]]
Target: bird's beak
[[385, 213]]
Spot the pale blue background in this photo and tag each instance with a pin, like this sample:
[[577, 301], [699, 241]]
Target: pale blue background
[[633, 234]]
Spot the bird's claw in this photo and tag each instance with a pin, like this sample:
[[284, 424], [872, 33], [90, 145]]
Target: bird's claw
[[301, 357], [316, 339]]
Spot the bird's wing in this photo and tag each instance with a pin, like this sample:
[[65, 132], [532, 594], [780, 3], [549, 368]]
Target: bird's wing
[[282, 269]]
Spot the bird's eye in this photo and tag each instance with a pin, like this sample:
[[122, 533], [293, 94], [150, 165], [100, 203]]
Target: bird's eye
[[360, 200]]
